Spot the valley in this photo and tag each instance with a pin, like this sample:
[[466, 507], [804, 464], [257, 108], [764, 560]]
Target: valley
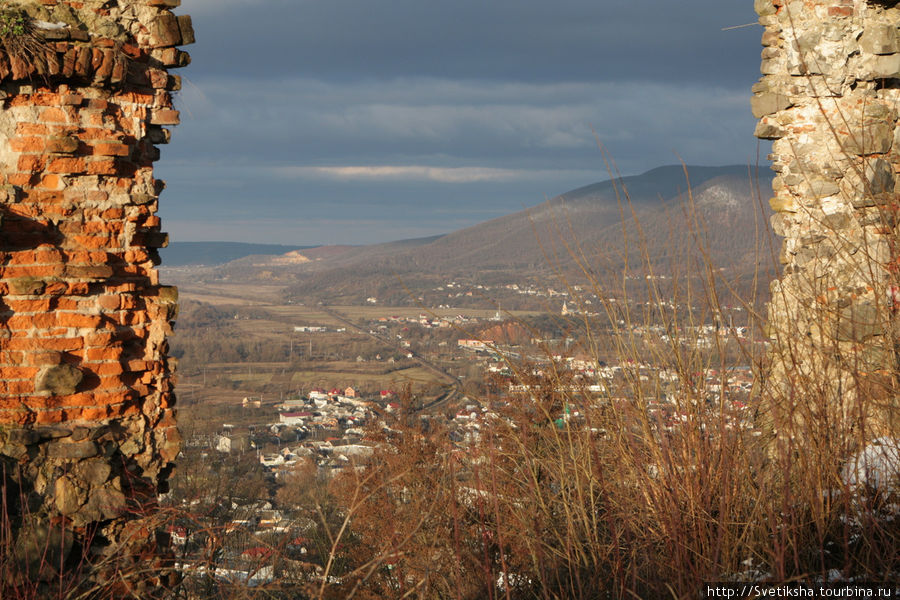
[[296, 370]]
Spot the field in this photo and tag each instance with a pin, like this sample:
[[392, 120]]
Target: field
[[238, 340]]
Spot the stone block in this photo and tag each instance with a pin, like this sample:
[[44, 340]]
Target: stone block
[[186, 27], [53, 433], [769, 103], [14, 451], [764, 7], [782, 204], [109, 501], [172, 58], [66, 450], [879, 177], [94, 472], [821, 188], [874, 137], [59, 380], [26, 286], [766, 129], [68, 496], [63, 145], [164, 30], [53, 34], [886, 67], [880, 39], [860, 321], [23, 437]]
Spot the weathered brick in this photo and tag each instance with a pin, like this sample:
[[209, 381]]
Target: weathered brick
[[27, 144], [16, 387], [22, 257], [107, 368], [109, 302], [74, 287], [102, 167], [28, 305], [31, 162], [110, 149], [30, 129], [66, 165], [66, 319], [99, 339], [102, 353], [53, 115], [20, 179], [165, 116], [840, 11]]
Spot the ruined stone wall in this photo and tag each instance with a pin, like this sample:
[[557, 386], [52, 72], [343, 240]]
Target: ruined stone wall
[[828, 98], [87, 429]]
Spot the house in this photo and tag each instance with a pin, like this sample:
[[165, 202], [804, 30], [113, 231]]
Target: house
[[294, 418], [350, 392], [232, 442], [293, 403], [271, 460], [354, 450], [472, 344], [257, 553]]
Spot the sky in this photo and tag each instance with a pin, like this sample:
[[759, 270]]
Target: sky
[[354, 121]]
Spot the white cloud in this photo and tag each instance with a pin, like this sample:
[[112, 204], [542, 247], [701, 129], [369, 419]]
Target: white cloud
[[413, 172]]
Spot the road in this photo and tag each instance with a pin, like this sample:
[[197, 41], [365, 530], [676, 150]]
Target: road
[[451, 394]]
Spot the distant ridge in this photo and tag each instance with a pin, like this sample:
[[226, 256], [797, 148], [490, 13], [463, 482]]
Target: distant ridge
[[663, 182], [179, 254], [722, 205]]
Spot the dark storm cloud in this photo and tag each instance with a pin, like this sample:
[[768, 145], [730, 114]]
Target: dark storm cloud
[[422, 117], [454, 123], [526, 40]]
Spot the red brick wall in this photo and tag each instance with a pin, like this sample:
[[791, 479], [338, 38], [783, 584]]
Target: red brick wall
[[84, 377]]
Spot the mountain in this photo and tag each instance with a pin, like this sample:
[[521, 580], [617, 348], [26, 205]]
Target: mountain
[[651, 219], [178, 254]]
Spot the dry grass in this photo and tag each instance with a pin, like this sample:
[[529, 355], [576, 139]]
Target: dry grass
[[628, 498]]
